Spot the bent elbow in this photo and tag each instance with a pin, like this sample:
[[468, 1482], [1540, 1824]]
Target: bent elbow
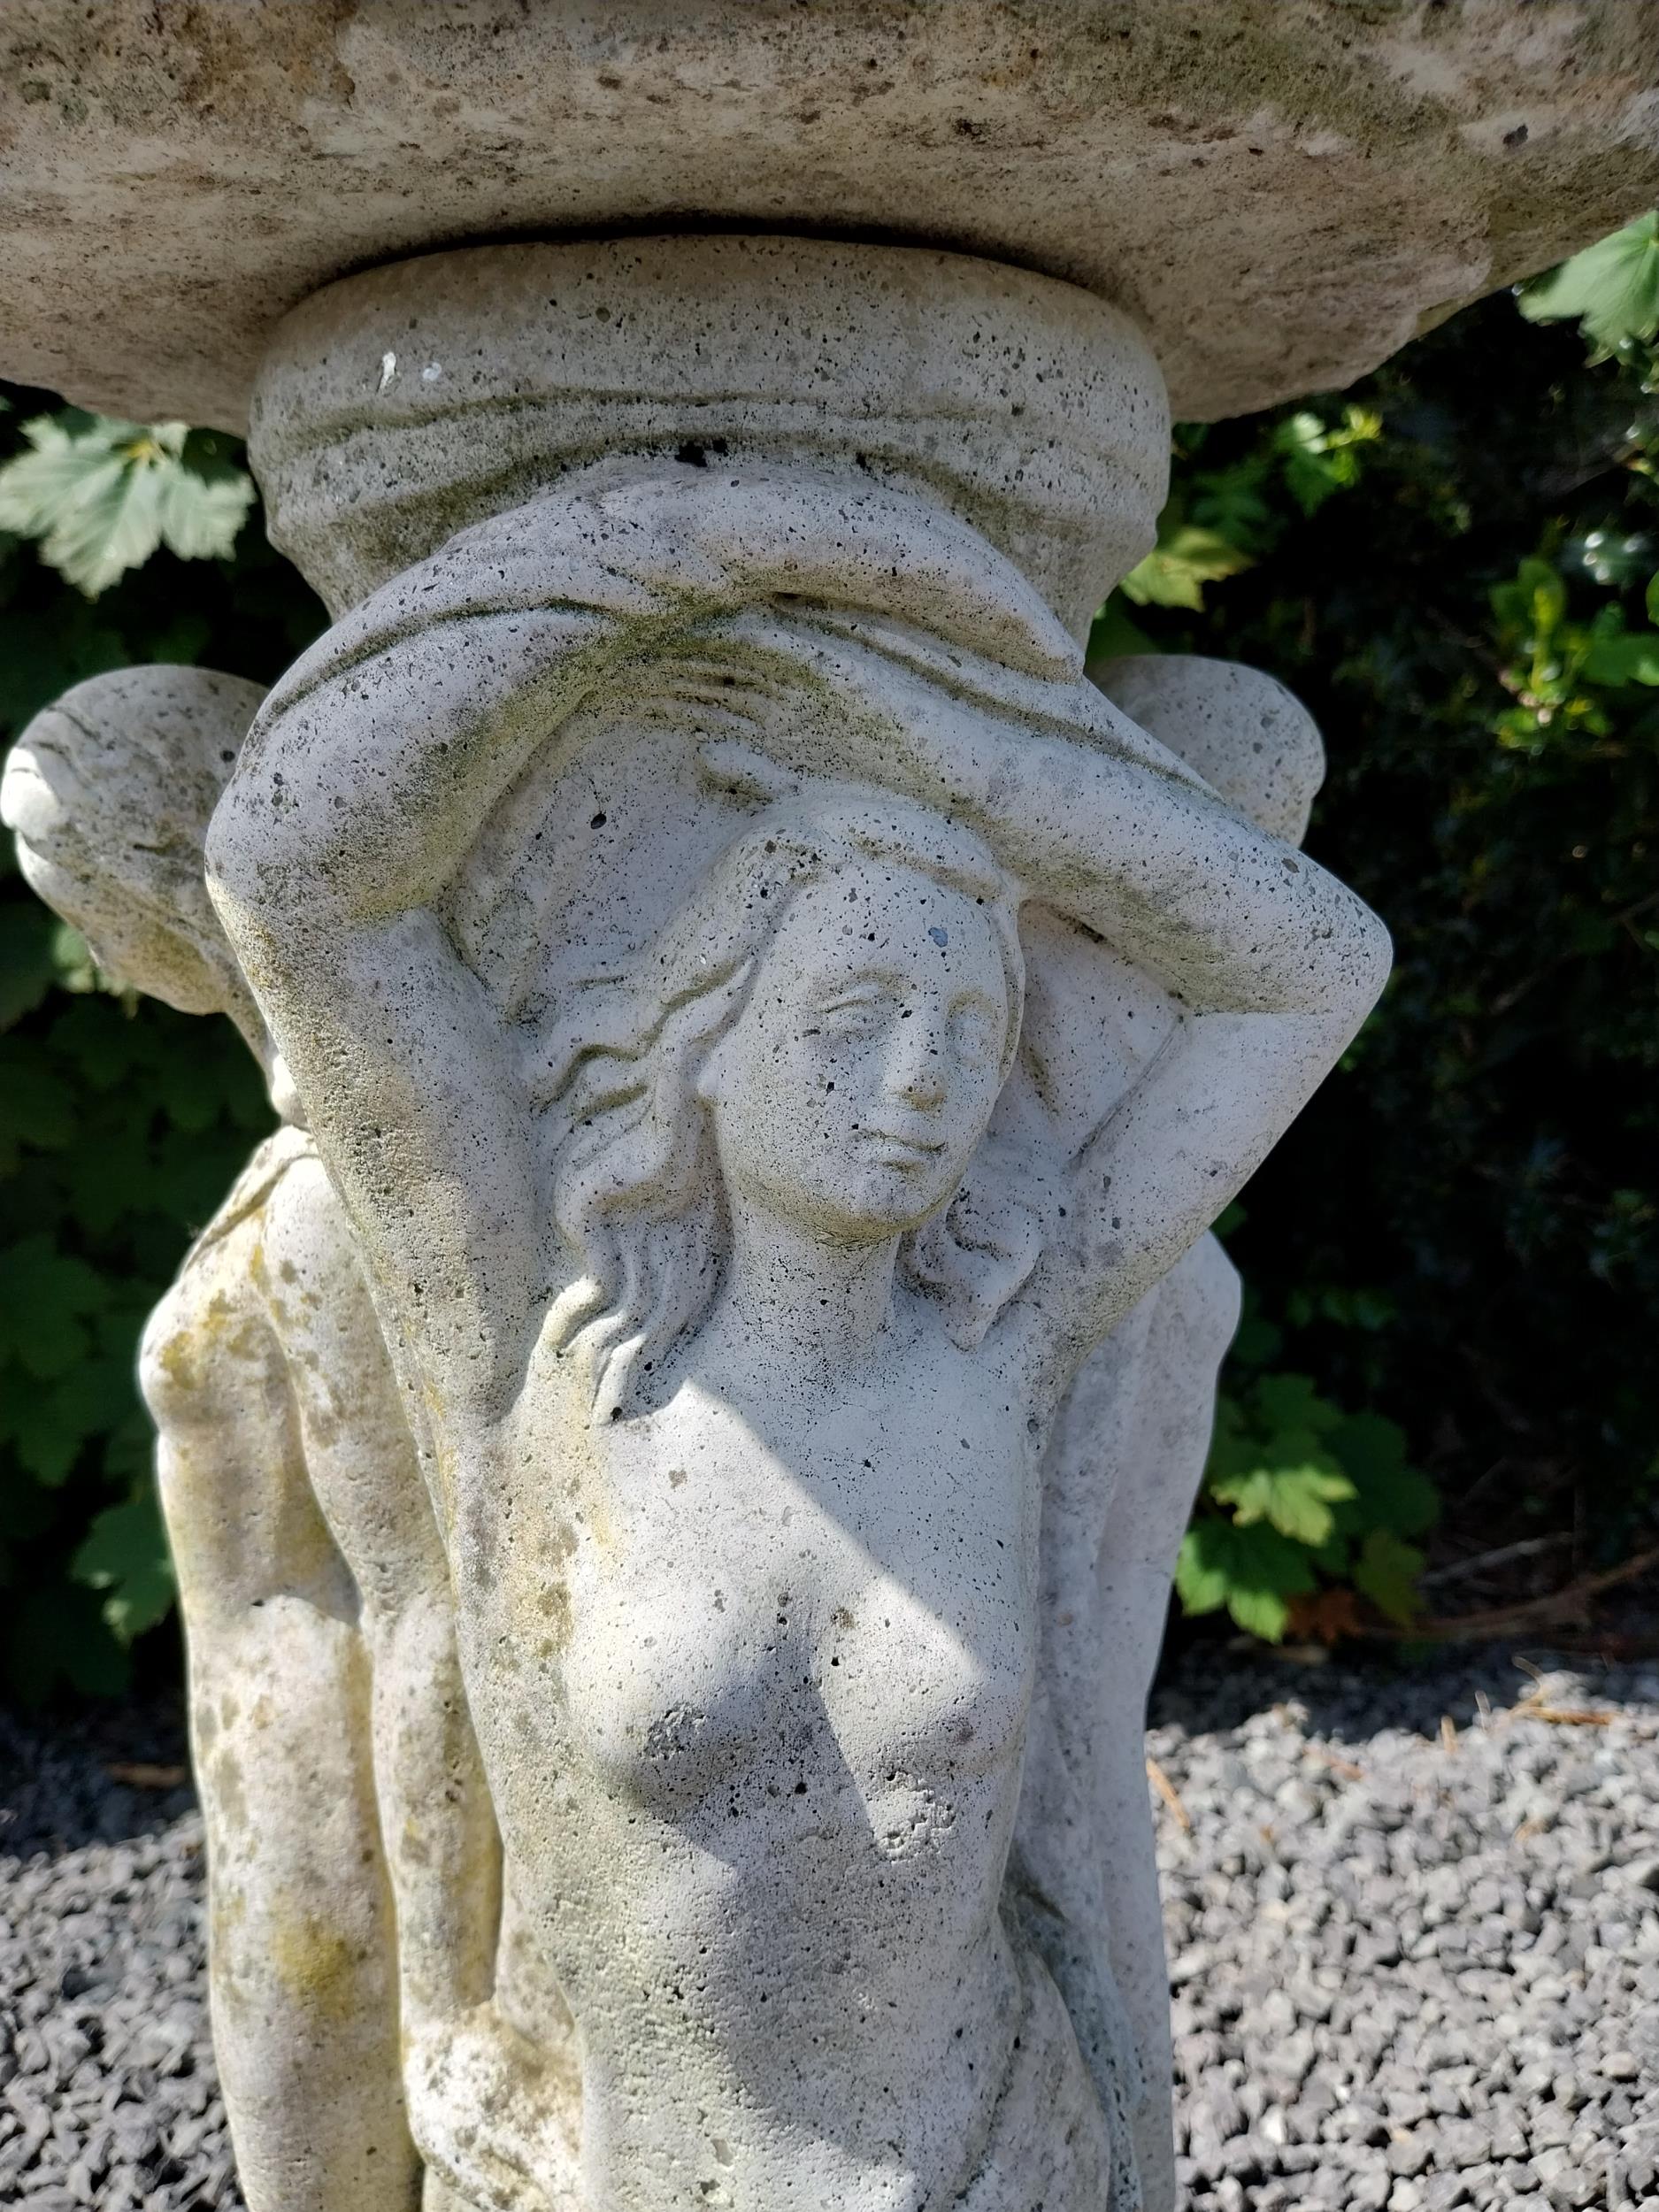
[[244, 857], [265, 876], [1371, 965]]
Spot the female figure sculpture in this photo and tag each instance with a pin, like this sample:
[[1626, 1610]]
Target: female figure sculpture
[[352, 1860], [739, 1288]]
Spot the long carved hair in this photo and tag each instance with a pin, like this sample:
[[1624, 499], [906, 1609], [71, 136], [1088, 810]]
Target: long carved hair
[[635, 1185], [836, 601]]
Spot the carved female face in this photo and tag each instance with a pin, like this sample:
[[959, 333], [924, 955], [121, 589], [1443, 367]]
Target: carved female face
[[850, 1093]]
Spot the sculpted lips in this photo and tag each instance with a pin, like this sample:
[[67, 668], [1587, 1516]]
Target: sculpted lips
[[898, 1150]]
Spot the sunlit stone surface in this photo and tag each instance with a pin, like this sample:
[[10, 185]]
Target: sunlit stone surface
[[675, 1451]]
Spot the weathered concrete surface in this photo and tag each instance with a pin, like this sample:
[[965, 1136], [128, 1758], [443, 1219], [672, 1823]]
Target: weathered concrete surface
[[396, 407], [1280, 191], [773, 1023]]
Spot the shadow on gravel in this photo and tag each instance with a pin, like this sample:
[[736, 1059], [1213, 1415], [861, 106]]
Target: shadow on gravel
[[1208, 1686], [107, 1776]]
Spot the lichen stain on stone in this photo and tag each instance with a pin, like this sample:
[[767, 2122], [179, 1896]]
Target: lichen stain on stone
[[553, 1602], [230, 1803], [314, 1962]]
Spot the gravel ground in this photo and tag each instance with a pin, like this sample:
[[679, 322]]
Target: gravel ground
[[1414, 1925]]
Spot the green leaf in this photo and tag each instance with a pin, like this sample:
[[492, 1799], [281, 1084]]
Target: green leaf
[[57, 1635], [101, 498], [1611, 289], [36, 1107], [1624, 657], [1261, 1613], [73, 968], [1535, 603], [1174, 573], [27, 932], [1297, 1500], [1282, 1403], [104, 1044], [1387, 1572], [1388, 1492], [125, 1556], [1202, 1579], [1251, 1570], [1114, 633], [47, 1298], [42, 659]]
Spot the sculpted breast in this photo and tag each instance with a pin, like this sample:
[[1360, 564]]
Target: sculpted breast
[[739, 1682]]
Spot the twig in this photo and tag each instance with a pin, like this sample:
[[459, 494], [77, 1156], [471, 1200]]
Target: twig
[[1168, 1792], [1456, 1569], [1503, 1620], [1346, 1768], [145, 1774]]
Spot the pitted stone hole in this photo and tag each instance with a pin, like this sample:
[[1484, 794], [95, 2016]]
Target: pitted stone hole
[[676, 1731]]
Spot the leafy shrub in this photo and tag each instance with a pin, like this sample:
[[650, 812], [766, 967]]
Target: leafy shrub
[[121, 1123], [1457, 568]]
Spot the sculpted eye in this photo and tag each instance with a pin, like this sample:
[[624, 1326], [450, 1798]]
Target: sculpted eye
[[859, 1015], [974, 1034]]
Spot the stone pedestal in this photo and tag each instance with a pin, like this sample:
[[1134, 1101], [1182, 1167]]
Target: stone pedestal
[[675, 1453]]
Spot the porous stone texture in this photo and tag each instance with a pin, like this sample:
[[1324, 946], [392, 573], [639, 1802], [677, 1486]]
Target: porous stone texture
[[770, 1019], [777, 1034], [395, 407], [356, 1870], [1281, 192], [1388, 1954]]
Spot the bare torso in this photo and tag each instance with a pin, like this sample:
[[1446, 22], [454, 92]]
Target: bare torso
[[752, 1687]]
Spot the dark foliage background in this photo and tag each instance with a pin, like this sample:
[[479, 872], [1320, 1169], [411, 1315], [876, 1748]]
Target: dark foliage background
[[1462, 1231], [122, 1126], [1453, 1258]]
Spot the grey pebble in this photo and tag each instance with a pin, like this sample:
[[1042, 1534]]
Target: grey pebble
[[108, 2098], [1431, 1984], [1443, 1971]]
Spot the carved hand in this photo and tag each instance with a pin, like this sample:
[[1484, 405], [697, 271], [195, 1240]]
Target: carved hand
[[487, 2112]]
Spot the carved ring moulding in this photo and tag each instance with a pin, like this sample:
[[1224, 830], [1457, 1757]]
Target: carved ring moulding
[[779, 1033]]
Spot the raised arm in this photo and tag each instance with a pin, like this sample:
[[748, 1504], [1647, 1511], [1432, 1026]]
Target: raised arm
[[1096, 818], [1271, 964], [358, 796]]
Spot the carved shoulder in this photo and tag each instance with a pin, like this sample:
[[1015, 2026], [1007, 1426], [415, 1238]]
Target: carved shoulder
[[209, 1334]]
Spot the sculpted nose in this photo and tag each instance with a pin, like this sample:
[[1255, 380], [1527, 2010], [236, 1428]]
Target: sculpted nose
[[916, 1071]]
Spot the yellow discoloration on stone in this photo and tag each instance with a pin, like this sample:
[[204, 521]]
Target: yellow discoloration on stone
[[315, 1964], [229, 1801], [553, 1603]]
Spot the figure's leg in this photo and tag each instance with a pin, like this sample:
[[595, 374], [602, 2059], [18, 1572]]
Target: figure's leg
[[302, 1961], [1166, 1434], [301, 1956]]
